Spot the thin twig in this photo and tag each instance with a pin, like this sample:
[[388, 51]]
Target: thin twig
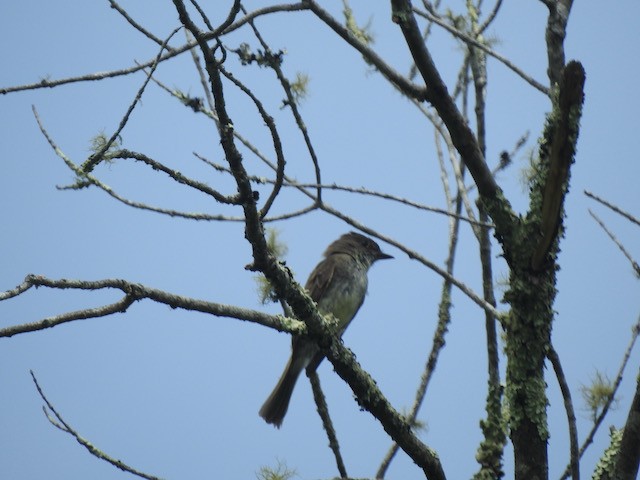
[[177, 176], [634, 264], [359, 190], [444, 319], [618, 210], [98, 156], [323, 411], [275, 137], [61, 424], [605, 409], [137, 26], [408, 88], [466, 38], [291, 103], [45, 83], [491, 17], [201, 74]]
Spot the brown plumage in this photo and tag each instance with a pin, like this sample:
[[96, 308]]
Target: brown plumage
[[338, 285]]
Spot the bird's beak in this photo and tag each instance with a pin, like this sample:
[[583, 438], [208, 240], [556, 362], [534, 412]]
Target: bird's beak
[[383, 256]]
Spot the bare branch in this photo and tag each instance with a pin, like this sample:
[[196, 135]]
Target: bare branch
[[438, 96], [98, 156], [90, 77], [124, 154], [292, 104], [471, 41], [61, 424], [275, 137], [45, 83], [201, 74], [574, 455], [386, 196], [323, 411], [120, 306], [137, 26], [405, 86], [605, 409], [491, 17], [634, 264], [628, 456], [134, 292], [618, 210], [248, 18], [177, 176], [438, 342], [19, 290]]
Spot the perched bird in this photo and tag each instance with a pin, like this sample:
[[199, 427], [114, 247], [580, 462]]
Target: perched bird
[[338, 285]]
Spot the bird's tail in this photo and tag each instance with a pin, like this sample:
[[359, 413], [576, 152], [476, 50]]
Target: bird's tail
[[275, 407]]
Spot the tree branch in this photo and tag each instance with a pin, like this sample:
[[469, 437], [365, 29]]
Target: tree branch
[[561, 156], [45, 83], [634, 264], [136, 25], [461, 135], [618, 210], [61, 424], [404, 85], [473, 42], [628, 457], [98, 156], [556, 31], [132, 293], [574, 454], [605, 409], [323, 411], [367, 393]]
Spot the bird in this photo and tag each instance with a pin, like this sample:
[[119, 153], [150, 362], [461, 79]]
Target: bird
[[338, 285]]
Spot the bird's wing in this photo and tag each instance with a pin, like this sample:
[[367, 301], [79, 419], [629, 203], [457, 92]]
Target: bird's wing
[[320, 279]]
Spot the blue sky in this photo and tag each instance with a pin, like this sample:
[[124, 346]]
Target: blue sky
[[176, 394]]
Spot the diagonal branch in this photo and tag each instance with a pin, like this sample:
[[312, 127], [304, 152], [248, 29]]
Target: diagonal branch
[[461, 135], [86, 179], [611, 206], [323, 411], [634, 264], [605, 409], [175, 175], [404, 85], [98, 156], [629, 452], [471, 41], [136, 25], [61, 424]]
